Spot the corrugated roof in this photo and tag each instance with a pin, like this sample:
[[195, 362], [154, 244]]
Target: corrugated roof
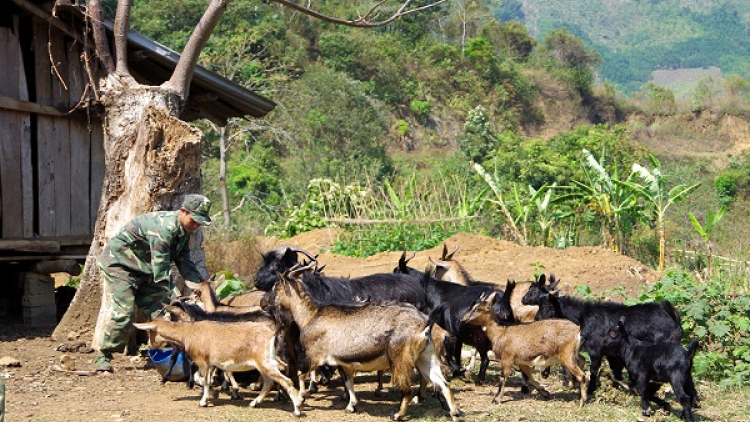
[[211, 96]]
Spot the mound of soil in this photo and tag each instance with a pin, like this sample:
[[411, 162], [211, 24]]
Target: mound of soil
[[492, 260]]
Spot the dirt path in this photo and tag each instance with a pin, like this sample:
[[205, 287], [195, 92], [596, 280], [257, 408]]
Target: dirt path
[[37, 393]]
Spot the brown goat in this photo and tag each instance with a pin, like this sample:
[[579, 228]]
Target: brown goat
[[364, 337], [204, 294], [230, 346], [540, 343]]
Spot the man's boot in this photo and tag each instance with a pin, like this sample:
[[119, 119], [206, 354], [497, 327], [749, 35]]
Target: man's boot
[[102, 362]]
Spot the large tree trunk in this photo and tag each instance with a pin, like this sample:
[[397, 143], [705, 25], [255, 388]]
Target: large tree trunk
[[152, 160]]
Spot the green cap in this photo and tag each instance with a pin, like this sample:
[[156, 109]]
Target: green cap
[[198, 206]]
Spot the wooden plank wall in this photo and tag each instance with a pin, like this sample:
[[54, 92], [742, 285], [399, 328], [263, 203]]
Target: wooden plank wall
[[66, 172], [51, 167], [16, 182]]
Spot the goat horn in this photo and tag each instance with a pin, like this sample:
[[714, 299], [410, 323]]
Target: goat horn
[[406, 260], [299, 269], [449, 256], [304, 252]]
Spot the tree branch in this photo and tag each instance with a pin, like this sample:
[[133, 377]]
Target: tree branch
[[96, 16], [183, 72], [122, 23], [365, 21]]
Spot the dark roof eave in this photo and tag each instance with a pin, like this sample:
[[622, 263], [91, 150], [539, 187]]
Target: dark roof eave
[[235, 96]]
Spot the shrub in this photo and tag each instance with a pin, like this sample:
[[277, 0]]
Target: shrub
[[477, 140], [718, 315], [726, 187]]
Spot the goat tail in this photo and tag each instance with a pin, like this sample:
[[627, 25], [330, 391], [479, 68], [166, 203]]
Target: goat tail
[[692, 349]]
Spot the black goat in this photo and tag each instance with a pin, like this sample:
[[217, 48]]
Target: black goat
[[537, 289], [276, 262], [650, 322], [449, 303], [652, 364], [384, 287]]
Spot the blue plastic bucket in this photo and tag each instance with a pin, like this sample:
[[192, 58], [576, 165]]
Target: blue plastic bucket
[[160, 358]]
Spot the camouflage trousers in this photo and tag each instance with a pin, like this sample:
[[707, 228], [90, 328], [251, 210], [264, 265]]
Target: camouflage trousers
[[2, 399], [128, 290]]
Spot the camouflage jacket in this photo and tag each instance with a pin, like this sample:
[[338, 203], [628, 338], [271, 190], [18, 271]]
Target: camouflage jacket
[[148, 243]]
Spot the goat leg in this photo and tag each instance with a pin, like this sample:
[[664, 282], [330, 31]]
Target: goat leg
[[484, 363], [498, 397], [349, 384], [526, 370], [405, 399], [429, 366], [596, 362], [379, 389], [207, 379], [235, 389]]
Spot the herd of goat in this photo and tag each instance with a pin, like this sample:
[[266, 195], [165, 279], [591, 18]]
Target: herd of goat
[[300, 322]]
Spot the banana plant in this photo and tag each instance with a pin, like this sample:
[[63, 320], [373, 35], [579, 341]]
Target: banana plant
[[500, 201], [546, 218], [705, 232], [402, 205], [607, 196], [659, 198]]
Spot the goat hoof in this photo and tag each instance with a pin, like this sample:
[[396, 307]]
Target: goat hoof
[[298, 414], [544, 393], [396, 417], [202, 403], [235, 396], [350, 409], [525, 390]]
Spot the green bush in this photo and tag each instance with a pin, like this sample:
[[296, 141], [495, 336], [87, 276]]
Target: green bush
[[393, 237], [717, 315], [230, 286], [726, 187]]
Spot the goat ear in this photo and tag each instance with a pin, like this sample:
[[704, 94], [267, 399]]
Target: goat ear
[[621, 323], [289, 256], [552, 282], [542, 279]]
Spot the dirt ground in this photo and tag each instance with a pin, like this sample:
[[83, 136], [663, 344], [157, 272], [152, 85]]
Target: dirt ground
[[37, 392]]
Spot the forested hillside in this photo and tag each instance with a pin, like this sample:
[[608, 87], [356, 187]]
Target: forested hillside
[[451, 120], [638, 36]]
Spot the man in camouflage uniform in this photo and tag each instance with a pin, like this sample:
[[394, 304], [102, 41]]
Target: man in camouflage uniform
[[136, 262]]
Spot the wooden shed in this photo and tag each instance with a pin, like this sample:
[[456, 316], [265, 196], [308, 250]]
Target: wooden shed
[[51, 141]]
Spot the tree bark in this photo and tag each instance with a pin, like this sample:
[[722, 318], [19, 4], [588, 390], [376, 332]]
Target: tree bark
[[223, 175], [152, 160]]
